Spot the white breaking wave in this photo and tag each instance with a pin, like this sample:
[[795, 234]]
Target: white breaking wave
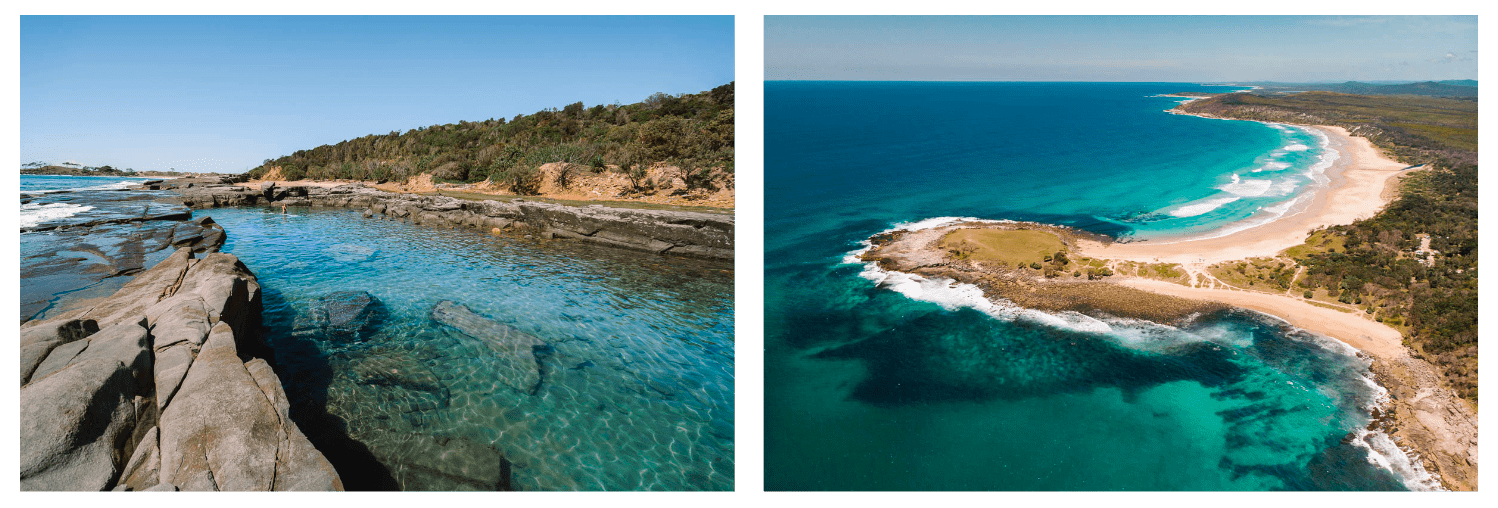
[[1272, 166], [1201, 207], [104, 186], [1297, 148], [1246, 188], [953, 295], [33, 214], [1131, 333]]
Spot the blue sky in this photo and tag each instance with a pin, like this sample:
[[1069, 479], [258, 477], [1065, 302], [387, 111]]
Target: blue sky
[[1120, 48], [224, 93]]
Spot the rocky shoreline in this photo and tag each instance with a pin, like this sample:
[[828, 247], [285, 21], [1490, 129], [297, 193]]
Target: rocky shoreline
[[668, 232], [915, 252], [162, 386], [1419, 415]]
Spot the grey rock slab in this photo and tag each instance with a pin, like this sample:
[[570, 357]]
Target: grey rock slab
[[72, 424], [59, 358], [144, 291], [220, 432], [39, 339], [299, 466]]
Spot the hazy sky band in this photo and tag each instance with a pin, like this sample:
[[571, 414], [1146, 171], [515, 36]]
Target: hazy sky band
[[1120, 48], [223, 93]]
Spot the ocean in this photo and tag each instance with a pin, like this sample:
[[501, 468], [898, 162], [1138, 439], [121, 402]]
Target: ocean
[[636, 381], [894, 387]]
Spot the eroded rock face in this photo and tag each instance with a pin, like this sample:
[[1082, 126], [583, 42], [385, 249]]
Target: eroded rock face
[[693, 234], [80, 409], [515, 349], [162, 398], [39, 339]]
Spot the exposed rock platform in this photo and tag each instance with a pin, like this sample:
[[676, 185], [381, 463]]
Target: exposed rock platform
[[162, 386], [692, 234]]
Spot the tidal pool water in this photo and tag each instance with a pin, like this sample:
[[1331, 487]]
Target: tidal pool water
[[635, 355]]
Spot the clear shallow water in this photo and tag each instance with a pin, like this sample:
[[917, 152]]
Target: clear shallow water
[[636, 375], [869, 389]]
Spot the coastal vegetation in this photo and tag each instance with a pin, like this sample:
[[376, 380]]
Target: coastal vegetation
[[1021, 247], [1454, 88], [1414, 265], [691, 133]]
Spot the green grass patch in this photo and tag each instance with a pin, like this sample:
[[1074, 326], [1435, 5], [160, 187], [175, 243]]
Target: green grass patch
[[1016, 247], [1319, 242]]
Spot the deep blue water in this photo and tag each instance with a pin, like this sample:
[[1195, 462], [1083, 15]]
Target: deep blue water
[[867, 389]]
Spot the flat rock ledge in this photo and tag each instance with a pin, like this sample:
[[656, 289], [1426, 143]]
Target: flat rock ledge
[[162, 387], [682, 233]]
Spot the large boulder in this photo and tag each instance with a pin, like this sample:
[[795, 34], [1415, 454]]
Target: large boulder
[[77, 423], [515, 351]]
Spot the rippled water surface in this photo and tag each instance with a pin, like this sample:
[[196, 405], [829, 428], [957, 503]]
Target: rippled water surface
[[636, 370]]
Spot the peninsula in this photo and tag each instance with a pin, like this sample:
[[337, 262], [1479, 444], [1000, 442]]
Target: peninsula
[[1288, 268]]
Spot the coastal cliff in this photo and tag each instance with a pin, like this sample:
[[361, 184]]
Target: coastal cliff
[[683, 233], [162, 386]]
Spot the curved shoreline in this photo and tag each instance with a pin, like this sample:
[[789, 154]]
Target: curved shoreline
[[1359, 180], [1435, 423]]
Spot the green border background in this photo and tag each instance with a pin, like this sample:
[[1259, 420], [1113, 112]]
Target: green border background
[[749, 283]]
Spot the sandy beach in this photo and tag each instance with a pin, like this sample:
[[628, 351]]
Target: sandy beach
[[1366, 335], [1359, 178]]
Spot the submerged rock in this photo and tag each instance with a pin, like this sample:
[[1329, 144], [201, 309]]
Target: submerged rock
[[515, 351], [346, 316], [403, 383], [439, 463], [350, 253]]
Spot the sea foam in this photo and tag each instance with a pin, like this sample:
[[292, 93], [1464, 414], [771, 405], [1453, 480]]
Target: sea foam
[[1200, 207], [33, 214], [1247, 187]]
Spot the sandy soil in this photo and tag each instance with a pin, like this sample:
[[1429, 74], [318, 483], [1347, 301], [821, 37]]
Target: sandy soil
[[1359, 179]]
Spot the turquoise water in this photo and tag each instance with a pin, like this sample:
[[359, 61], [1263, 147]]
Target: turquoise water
[[868, 389], [636, 374], [634, 361]]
